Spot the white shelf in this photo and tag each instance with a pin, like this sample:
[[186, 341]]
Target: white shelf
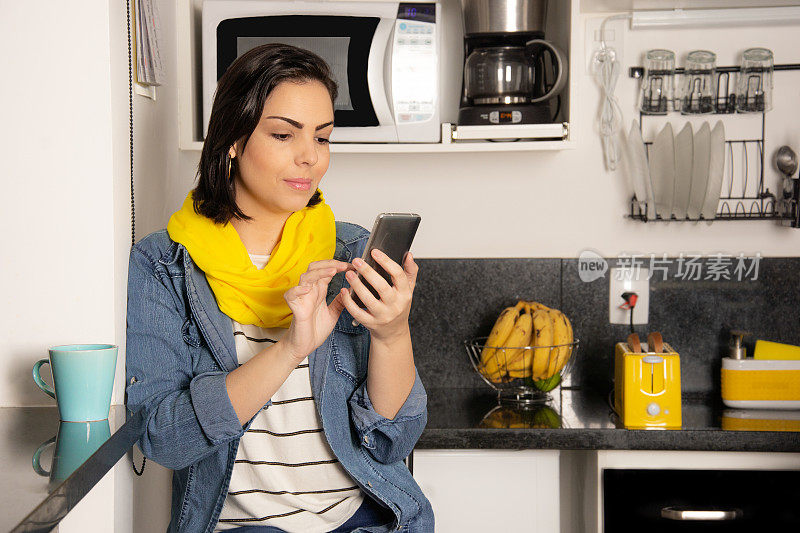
[[468, 145], [353, 148], [567, 36], [613, 6], [485, 146]]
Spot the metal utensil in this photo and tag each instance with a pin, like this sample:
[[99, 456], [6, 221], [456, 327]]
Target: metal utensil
[[786, 161]]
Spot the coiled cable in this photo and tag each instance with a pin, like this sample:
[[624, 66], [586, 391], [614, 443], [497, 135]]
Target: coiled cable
[[607, 70]]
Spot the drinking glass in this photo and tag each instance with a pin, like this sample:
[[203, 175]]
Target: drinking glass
[[699, 83], [754, 82], [658, 84]]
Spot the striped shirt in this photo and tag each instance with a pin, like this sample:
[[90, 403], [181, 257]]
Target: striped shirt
[[286, 474]]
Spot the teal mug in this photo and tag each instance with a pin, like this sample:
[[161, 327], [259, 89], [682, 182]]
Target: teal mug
[[83, 377], [75, 443]]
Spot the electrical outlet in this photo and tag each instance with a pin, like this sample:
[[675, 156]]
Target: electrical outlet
[[615, 38], [632, 279]]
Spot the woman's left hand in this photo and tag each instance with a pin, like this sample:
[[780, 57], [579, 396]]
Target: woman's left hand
[[388, 317]]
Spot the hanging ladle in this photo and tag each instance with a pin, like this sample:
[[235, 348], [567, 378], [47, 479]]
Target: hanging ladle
[[786, 161]]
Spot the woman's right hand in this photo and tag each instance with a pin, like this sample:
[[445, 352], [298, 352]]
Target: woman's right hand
[[312, 318]]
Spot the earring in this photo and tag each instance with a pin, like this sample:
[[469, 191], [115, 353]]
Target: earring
[[230, 176]]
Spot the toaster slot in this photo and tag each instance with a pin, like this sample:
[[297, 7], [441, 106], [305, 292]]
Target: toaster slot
[[654, 374]]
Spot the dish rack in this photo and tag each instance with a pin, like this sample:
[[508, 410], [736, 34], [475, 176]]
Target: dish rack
[[744, 195]]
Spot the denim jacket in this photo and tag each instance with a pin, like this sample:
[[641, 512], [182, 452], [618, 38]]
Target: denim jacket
[[180, 347]]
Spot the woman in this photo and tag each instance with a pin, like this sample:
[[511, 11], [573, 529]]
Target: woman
[[276, 410]]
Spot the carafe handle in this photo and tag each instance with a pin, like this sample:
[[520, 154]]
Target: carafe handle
[[531, 47]]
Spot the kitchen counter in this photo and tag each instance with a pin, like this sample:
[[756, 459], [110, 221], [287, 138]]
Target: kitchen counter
[[38, 501], [456, 420]]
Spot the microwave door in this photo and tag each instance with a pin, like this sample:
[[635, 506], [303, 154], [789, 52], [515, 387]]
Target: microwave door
[[351, 45], [379, 84]]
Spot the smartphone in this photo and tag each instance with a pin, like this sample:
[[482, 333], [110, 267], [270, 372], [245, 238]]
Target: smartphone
[[392, 234]]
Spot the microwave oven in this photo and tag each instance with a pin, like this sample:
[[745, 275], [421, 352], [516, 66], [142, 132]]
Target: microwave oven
[[385, 56]]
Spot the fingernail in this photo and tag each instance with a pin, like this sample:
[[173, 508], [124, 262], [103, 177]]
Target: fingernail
[[358, 261], [350, 274]]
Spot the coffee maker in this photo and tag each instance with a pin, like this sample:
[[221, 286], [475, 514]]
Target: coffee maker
[[511, 73]]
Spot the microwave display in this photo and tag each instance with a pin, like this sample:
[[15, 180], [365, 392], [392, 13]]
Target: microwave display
[[419, 12]]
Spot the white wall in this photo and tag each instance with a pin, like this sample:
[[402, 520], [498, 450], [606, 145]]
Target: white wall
[[57, 274]]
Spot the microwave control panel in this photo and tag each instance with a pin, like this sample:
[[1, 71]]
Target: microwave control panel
[[415, 63]]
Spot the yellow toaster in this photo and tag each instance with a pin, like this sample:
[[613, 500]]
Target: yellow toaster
[[647, 384]]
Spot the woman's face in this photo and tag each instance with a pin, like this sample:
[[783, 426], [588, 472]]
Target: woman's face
[[287, 154]]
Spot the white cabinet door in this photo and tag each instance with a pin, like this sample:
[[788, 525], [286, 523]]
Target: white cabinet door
[[491, 490]]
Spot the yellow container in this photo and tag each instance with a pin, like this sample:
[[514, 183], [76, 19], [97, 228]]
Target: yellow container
[[776, 350], [647, 393], [760, 384]]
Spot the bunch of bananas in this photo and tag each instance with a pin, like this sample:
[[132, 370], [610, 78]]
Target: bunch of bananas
[[528, 340]]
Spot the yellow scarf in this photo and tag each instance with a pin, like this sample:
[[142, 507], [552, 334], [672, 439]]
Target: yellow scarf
[[243, 292]]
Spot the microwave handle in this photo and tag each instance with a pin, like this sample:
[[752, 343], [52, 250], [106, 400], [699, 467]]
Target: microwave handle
[[387, 72], [379, 71]]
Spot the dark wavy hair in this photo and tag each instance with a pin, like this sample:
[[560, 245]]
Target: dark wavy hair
[[238, 104]]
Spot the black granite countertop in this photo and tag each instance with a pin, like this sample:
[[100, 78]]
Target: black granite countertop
[[467, 418], [72, 458]]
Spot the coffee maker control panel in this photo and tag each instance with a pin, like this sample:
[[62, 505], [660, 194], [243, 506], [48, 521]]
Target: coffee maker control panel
[[505, 117], [415, 60]]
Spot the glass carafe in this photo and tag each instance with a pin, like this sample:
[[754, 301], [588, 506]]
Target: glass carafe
[[513, 74], [497, 75]]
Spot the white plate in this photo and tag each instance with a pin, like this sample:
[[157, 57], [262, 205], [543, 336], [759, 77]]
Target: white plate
[[662, 170], [642, 180], [683, 171], [716, 166], [700, 164]]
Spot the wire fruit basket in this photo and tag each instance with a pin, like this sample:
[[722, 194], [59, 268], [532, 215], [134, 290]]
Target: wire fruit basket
[[521, 374]]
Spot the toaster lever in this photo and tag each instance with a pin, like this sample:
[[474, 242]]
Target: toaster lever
[[655, 343], [634, 344]]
